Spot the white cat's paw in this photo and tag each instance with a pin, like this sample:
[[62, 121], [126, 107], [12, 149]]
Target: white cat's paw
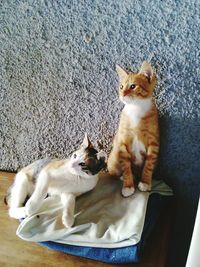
[[68, 221], [128, 191], [121, 178], [17, 213], [144, 187], [30, 208]]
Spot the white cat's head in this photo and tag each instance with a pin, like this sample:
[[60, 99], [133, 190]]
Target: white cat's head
[[87, 161]]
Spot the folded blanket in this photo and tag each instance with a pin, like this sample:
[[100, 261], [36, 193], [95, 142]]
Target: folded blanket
[[104, 219], [129, 254]]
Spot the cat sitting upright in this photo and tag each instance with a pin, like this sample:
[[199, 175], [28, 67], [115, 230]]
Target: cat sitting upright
[[67, 178], [136, 143]]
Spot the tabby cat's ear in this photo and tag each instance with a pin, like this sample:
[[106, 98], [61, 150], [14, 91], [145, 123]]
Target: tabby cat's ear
[[147, 70], [121, 73], [86, 142]]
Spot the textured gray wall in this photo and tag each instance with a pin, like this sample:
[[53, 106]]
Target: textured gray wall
[[58, 80], [58, 75]]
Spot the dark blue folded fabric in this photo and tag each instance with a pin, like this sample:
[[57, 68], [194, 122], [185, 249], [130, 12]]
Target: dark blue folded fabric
[[128, 254]]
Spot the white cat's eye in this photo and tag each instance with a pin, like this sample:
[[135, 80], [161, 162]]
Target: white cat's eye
[[74, 156], [121, 87], [82, 164], [132, 86]]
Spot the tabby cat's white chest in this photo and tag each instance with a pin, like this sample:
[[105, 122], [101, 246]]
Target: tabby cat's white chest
[[137, 110], [138, 149]]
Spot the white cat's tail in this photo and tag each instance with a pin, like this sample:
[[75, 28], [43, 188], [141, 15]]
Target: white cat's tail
[[17, 195]]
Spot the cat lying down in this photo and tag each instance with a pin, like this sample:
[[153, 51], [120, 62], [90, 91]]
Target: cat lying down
[[67, 178]]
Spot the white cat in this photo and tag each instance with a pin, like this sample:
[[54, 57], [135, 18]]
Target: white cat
[[67, 178]]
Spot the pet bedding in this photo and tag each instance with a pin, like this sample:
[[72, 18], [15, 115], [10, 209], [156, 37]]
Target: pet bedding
[[107, 226]]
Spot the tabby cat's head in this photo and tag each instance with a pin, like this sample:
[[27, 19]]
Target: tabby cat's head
[[87, 161], [138, 85]]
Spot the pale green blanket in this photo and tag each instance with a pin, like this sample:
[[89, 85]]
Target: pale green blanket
[[103, 217]]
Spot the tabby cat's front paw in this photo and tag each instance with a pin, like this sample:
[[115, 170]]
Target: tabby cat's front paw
[[68, 221], [144, 187], [128, 191]]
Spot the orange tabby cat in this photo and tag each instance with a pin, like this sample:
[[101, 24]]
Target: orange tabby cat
[[136, 143]]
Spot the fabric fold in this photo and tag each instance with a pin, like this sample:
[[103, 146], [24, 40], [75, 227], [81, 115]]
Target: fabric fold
[[103, 218]]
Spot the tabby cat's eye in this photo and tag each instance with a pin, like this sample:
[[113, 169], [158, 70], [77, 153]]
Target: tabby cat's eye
[[121, 87], [132, 86]]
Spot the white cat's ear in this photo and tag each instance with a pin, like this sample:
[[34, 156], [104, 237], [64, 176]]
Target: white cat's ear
[[147, 70], [102, 155], [121, 73], [86, 142]]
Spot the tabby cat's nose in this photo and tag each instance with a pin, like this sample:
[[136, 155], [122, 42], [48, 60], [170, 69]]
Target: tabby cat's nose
[[126, 92]]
